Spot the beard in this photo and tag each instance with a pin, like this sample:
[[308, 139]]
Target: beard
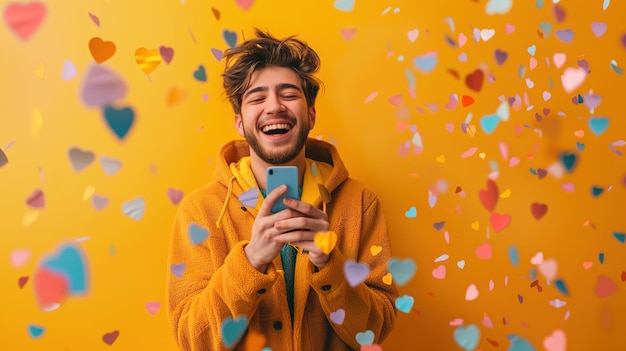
[[278, 158]]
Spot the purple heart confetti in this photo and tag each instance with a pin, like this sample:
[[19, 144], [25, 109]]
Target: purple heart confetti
[[178, 269], [439, 225], [501, 56], [566, 35], [102, 86], [99, 202], [249, 197], [338, 316], [217, 53], [355, 272], [598, 28]]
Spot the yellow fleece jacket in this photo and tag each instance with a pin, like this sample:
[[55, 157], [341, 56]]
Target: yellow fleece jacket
[[217, 301]]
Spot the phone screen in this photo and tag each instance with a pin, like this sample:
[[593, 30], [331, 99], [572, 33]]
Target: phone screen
[[278, 175]]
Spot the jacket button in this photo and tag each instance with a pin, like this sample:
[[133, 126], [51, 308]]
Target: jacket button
[[278, 325], [326, 287], [261, 291]]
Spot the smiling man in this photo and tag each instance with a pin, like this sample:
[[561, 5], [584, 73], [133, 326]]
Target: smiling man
[[263, 270]]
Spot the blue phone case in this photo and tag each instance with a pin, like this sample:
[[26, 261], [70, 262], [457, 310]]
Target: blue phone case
[[278, 175]]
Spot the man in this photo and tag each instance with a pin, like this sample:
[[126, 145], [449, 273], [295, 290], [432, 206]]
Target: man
[[247, 278]]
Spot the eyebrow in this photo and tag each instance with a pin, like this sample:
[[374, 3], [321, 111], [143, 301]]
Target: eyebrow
[[281, 86]]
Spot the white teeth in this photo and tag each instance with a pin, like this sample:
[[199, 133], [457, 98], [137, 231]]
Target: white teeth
[[276, 126]]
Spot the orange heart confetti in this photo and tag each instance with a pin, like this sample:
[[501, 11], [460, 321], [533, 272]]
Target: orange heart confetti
[[387, 279], [147, 60], [101, 50], [175, 96], [326, 241]]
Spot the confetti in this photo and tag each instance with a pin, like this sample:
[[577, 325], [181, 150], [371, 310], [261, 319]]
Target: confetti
[[499, 221], [355, 272], [178, 269], [166, 53], [439, 272], [555, 341], [489, 196], [197, 233], [338, 316], [325, 241], [119, 120], [102, 86], [25, 19], [499, 7], [598, 125], [134, 208], [101, 50], [348, 33], [411, 212], [230, 37], [605, 287], [538, 210], [36, 199], [474, 80], [344, 5], [94, 19], [109, 338], [245, 4], [401, 270], [200, 74], [467, 337], [426, 62], [404, 303], [153, 307], [365, 338]]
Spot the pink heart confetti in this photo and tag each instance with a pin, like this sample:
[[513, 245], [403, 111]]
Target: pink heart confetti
[[175, 195], [456, 322], [245, 4], [25, 19], [36, 199], [559, 59], [509, 28], [462, 39], [555, 341], [487, 322], [94, 19], [587, 265], [20, 257], [348, 33], [413, 34], [532, 63], [99, 202], [167, 53], [548, 269], [598, 28], [471, 293], [396, 100], [483, 251], [572, 78], [439, 272], [153, 307], [537, 259]]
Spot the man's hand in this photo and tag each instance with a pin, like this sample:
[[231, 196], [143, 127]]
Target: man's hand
[[296, 225]]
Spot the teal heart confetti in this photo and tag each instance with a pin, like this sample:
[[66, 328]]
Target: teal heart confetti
[[427, 62], [596, 191], [411, 212], [401, 270], [569, 160], [598, 125], [489, 123], [344, 5], [404, 303], [513, 255], [467, 337], [560, 285], [200, 74], [119, 120], [365, 338], [230, 38], [71, 263], [35, 331], [601, 257], [499, 7], [197, 233], [520, 344], [546, 28], [621, 237], [233, 329]]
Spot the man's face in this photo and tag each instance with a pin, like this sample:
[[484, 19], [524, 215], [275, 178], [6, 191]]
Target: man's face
[[275, 118]]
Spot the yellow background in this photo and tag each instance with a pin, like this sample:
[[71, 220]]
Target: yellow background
[[42, 117]]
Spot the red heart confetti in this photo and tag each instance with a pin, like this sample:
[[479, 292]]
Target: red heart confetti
[[22, 281], [538, 210], [25, 19], [489, 197], [499, 221], [605, 287], [467, 100], [36, 199], [475, 80]]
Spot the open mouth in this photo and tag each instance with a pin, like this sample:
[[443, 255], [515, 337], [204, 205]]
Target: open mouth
[[276, 129]]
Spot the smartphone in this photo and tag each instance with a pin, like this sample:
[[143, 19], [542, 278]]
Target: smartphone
[[278, 175]]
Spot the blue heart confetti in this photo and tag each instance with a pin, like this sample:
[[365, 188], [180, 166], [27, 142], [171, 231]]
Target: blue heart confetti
[[598, 125], [344, 5], [401, 270], [365, 338], [520, 344], [426, 63], [233, 329], [513, 255], [560, 285], [200, 74], [621, 237], [404, 303], [596, 191], [601, 257], [197, 233], [467, 337], [489, 123], [580, 146], [230, 38], [411, 213]]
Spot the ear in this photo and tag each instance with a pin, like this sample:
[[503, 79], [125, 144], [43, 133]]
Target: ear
[[312, 116], [239, 124]]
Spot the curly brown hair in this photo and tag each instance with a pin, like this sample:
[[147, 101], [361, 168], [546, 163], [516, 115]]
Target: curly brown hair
[[263, 51]]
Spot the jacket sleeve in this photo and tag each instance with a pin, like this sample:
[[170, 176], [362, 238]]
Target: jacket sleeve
[[369, 306], [208, 282]]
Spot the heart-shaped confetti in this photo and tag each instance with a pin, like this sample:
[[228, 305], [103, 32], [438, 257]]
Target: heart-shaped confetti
[[413, 34], [110, 165], [404, 303], [439, 272], [325, 241], [474, 80], [249, 197], [217, 53], [486, 34], [538, 210], [94, 19], [20, 257], [598, 125], [520, 344], [51, 288], [501, 7], [80, 159], [355, 272], [153, 307], [365, 338], [119, 120], [99, 202], [427, 62], [566, 35], [35, 331], [21, 281], [197, 233], [69, 70], [471, 293], [178, 269], [489, 123], [347, 33], [548, 268], [71, 263], [230, 37], [500, 56], [402, 270], [200, 74], [25, 18], [605, 287], [467, 337], [483, 251], [167, 53], [101, 50], [102, 86], [109, 338], [375, 249], [233, 329], [489, 196], [572, 78], [175, 195], [499, 221], [175, 95], [411, 212], [344, 5], [338, 316], [134, 208], [148, 60], [439, 225], [36, 199], [3, 159], [569, 160], [555, 341]]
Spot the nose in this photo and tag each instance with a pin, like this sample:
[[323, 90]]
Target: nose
[[274, 104]]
